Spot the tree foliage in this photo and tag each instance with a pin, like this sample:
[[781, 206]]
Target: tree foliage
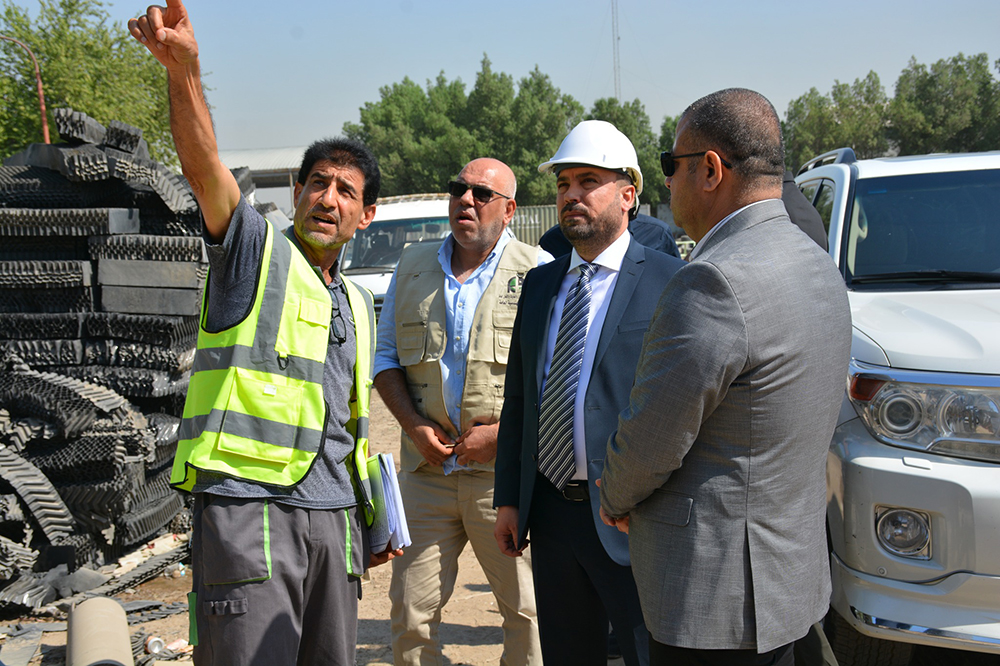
[[542, 117], [423, 136], [953, 106], [668, 132], [85, 64], [416, 134], [854, 116]]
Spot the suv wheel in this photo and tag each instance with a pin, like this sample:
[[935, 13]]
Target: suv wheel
[[855, 649]]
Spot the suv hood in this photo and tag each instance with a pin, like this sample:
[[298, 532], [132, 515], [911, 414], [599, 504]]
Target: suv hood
[[943, 331]]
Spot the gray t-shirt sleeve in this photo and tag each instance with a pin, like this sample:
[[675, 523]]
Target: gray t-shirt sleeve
[[234, 268]]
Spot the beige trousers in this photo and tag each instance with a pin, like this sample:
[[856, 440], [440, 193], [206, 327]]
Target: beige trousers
[[443, 514]]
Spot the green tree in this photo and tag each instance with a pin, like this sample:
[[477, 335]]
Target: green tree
[[541, 116], [423, 136], [414, 133], [488, 111], [953, 106], [85, 64], [668, 132], [854, 116], [861, 111], [808, 128], [631, 119]]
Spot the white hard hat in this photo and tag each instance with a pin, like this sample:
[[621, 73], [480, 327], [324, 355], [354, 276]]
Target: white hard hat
[[597, 143]]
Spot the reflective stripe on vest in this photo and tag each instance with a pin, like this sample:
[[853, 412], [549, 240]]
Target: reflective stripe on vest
[[255, 410]]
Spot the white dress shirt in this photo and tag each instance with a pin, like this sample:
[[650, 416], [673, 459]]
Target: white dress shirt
[[602, 286]]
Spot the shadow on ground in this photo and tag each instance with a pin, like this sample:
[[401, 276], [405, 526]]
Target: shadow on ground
[[376, 634]]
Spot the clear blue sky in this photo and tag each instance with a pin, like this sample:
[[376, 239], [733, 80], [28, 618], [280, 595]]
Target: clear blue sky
[[284, 73]]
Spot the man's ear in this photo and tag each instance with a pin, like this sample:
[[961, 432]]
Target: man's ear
[[508, 214], [296, 191], [628, 197], [714, 173], [369, 215]]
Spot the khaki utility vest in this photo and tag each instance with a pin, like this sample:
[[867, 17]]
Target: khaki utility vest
[[255, 408], [421, 339]]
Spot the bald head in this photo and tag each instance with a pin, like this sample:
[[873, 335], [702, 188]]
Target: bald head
[[744, 128], [497, 172]]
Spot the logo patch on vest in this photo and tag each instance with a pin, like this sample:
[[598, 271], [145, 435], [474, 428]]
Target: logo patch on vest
[[510, 297]]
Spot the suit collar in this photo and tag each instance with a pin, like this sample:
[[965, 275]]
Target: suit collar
[[741, 219]]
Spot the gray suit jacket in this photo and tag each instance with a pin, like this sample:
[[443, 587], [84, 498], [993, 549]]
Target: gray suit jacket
[[720, 457]]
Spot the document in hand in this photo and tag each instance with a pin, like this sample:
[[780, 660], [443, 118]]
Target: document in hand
[[389, 527]]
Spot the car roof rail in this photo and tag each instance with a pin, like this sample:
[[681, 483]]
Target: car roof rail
[[839, 156]]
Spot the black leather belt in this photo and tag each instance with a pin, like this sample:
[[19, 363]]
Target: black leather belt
[[575, 491]]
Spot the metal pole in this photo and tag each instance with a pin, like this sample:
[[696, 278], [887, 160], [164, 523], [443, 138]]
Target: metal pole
[[38, 80], [614, 43]]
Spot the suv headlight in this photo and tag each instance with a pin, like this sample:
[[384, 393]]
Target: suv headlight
[[956, 415], [904, 532]]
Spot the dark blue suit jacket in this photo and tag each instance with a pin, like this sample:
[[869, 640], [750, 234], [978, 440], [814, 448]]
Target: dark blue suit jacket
[[643, 275]]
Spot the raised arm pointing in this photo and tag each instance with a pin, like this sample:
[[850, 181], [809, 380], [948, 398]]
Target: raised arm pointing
[[167, 33]]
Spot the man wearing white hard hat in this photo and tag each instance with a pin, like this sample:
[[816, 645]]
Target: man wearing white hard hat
[[573, 356]]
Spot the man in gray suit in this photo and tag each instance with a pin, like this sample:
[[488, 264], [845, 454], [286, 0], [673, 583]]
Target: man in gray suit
[[718, 465]]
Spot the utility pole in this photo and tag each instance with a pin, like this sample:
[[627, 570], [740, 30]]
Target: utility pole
[[38, 80], [614, 42]]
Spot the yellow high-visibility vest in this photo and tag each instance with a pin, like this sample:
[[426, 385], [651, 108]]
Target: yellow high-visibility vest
[[255, 409]]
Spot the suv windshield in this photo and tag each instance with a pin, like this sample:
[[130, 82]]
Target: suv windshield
[[378, 247], [937, 228]]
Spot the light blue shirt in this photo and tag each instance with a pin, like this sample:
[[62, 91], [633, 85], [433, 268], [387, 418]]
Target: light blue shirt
[[461, 300]]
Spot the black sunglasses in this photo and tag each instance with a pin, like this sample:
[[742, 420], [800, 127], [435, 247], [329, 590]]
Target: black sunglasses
[[669, 165], [338, 327], [481, 194]]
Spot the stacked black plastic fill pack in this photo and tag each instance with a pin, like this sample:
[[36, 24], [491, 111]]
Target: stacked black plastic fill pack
[[101, 273]]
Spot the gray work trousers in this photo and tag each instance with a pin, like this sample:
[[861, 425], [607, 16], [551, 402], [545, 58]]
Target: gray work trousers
[[271, 585]]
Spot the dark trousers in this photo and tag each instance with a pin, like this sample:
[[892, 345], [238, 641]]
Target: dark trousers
[[578, 587], [668, 655], [271, 586]]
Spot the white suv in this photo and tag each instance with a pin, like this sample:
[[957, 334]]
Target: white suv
[[371, 256], [914, 466]]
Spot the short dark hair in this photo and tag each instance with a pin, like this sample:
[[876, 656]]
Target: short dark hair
[[743, 126], [345, 152]]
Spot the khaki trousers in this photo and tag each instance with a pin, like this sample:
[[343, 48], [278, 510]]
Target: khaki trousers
[[443, 514]]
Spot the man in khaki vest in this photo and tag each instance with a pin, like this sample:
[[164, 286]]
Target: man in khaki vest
[[443, 338]]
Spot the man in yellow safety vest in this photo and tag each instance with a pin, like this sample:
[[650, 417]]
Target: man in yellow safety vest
[[274, 436]]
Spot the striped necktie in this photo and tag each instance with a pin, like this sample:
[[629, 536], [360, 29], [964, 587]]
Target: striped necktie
[[555, 418]]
